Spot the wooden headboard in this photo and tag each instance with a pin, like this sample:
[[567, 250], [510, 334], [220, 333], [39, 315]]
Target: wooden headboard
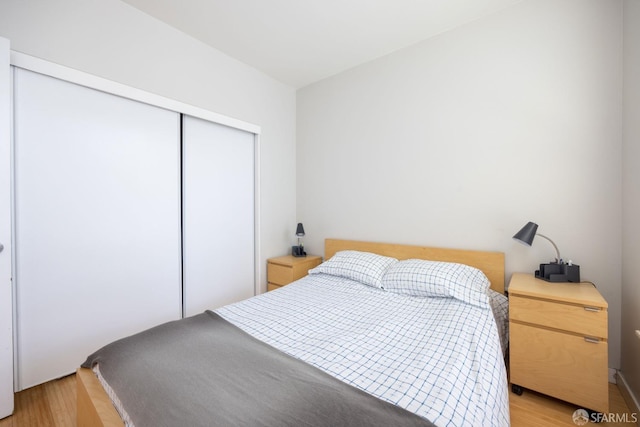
[[490, 263]]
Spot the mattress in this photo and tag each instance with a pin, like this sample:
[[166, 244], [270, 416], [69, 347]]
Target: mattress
[[438, 357]]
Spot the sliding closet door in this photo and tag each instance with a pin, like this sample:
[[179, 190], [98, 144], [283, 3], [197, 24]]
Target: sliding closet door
[[6, 307], [218, 215], [97, 231]]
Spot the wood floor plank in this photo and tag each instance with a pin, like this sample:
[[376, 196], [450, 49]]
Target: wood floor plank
[[62, 400], [535, 409], [33, 408], [53, 404]]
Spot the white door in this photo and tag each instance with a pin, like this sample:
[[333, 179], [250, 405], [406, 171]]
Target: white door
[[218, 215], [6, 309], [97, 228]]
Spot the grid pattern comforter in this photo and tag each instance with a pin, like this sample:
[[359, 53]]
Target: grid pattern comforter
[[437, 357]]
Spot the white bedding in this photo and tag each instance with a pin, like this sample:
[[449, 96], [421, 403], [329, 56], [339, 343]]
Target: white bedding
[[500, 306], [437, 357]]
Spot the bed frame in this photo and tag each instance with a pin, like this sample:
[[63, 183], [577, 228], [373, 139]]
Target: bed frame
[[94, 405]]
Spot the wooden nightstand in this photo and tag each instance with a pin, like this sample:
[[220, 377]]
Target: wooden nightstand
[[558, 340], [286, 269]]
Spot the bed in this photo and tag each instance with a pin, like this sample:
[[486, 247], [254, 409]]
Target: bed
[[360, 341]]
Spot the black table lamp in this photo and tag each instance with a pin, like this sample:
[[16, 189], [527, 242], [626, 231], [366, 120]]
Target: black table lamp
[[555, 271], [298, 251]]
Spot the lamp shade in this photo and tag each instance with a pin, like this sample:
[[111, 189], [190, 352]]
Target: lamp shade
[[299, 230], [527, 233]]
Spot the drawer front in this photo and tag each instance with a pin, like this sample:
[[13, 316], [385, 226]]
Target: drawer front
[[561, 365], [301, 270], [272, 286], [589, 321], [279, 274]]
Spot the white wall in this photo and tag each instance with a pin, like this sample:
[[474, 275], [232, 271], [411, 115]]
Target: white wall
[[459, 140], [113, 40], [630, 364]]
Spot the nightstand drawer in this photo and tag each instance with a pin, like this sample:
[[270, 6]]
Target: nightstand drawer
[[286, 269], [272, 286], [561, 365], [279, 274], [583, 320]]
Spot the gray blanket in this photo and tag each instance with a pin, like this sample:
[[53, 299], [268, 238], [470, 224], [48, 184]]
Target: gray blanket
[[204, 371]]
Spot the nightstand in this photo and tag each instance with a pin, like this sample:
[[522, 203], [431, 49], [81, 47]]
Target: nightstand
[[558, 340], [285, 269]]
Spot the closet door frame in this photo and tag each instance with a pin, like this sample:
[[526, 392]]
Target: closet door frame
[[41, 66], [6, 258], [27, 62]]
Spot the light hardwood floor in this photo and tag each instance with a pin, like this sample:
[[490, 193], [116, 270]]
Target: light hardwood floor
[[534, 409], [53, 404]]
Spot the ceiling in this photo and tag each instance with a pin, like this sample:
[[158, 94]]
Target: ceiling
[[299, 42]]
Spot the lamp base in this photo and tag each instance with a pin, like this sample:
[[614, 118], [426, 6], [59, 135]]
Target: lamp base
[[559, 273], [298, 251]]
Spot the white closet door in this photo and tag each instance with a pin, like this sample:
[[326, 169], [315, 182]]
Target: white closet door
[[6, 306], [218, 214], [97, 203]]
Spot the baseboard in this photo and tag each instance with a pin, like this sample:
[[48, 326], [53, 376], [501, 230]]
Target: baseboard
[[627, 394], [612, 376]]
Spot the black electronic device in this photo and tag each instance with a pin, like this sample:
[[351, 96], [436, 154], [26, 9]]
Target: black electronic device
[[298, 251], [559, 272]]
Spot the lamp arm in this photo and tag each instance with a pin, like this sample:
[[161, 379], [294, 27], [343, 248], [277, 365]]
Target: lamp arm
[[558, 259]]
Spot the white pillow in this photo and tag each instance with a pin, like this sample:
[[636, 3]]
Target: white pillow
[[421, 278], [364, 267]]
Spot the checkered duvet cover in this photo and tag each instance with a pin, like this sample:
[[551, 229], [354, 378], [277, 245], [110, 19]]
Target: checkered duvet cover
[[440, 358]]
